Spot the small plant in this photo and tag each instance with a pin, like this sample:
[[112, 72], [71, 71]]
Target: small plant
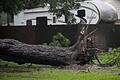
[[104, 58], [112, 58], [115, 57], [60, 41]]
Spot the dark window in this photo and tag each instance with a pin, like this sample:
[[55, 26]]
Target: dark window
[[81, 13], [54, 19], [29, 22], [11, 17], [41, 21], [66, 19]]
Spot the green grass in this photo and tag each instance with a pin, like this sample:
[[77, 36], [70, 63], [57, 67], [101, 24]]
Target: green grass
[[14, 71], [56, 74]]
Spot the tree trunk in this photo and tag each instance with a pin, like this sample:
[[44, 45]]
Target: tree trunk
[[8, 19], [81, 52], [13, 50]]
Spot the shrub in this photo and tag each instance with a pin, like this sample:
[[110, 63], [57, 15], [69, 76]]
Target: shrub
[[112, 58], [104, 58], [60, 41], [115, 57]]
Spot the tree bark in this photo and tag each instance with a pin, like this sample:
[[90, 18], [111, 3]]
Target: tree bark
[[8, 19], [16, 51], [13, 50]]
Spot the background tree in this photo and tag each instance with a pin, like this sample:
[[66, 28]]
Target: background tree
[[58, 7], [10, 7], [62, 7], [28, 4]]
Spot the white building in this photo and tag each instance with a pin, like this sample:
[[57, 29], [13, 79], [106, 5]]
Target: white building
[[93, 11], [32, 14]]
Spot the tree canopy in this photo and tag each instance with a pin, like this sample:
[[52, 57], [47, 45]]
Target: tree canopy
[[10, 6], [58, 7], [62, 7]]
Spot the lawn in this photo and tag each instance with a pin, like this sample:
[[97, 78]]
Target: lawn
[[13, 71], [56, 74]]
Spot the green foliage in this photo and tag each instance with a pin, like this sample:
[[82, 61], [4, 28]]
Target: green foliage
[[14, 6], [60, 41], [112, 58], [62, 7], [10, 6], [28, 4], [58, 7], [104, 58], [115, 60]]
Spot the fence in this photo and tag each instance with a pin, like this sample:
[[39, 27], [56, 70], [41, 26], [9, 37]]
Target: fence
[[106, 36], [38, 34]]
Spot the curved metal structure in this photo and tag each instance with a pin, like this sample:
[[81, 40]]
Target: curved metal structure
[[106, 11]]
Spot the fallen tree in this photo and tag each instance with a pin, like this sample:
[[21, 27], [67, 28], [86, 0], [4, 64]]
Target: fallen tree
[[81, 52], [13, 50]]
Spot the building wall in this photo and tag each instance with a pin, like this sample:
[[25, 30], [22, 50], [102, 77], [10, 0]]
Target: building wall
[[23, 16], [19, 19]]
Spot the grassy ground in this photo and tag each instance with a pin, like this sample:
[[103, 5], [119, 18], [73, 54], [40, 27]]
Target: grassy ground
[[55, 74], [12, 71]]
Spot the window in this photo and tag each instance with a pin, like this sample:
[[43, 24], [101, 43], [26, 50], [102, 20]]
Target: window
[[81, 13], [54, 19]]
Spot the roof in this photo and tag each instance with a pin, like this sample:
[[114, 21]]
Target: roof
[[37, 10]]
